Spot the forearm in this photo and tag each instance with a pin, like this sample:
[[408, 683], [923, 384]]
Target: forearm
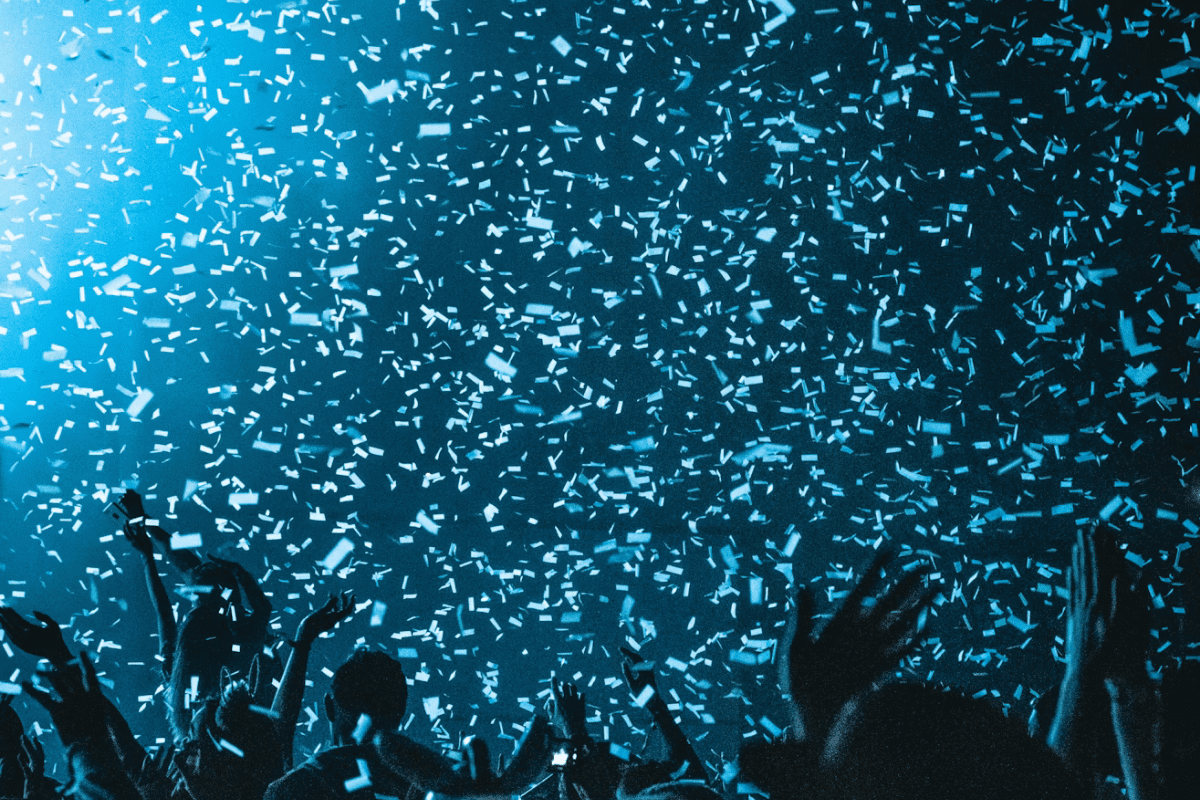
[[124, 744], [680, 753], [164, 614], [1074, 717], [575, 729], [1135, 713], [289, 697], [252, 593]]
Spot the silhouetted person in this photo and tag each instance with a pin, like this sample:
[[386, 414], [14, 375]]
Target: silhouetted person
[[911, 741], [224, 630], [233, 751], [368, 695]]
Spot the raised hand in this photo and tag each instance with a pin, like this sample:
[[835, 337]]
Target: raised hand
[[1095, 587], [568, 709], [130, 506], [75, 704], [1104, 618], [1128, 638], [336, 609], [639, 673], [139, 538], [42, 641], [1105, 647], [869, 633]]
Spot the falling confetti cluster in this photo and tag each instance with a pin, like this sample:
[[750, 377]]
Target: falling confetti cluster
[[548, 329]]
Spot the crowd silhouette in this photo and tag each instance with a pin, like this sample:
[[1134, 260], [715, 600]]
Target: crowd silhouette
[[853, 733]]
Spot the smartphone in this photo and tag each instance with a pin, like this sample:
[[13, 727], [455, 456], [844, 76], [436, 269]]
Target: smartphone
[[129, 506]]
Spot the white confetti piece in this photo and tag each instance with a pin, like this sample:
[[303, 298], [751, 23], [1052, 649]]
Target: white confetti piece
[[338, 554], [433, 129], [561, 45]]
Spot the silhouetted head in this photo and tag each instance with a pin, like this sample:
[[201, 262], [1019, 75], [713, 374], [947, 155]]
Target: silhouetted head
[[917, 742], [223, 587], [233, 752], [369, 683]]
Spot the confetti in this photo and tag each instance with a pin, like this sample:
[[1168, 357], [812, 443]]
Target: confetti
[[535, 347]]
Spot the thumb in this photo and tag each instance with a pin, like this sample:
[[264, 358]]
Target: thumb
[[46, 618], [478, 763], [801, 623]]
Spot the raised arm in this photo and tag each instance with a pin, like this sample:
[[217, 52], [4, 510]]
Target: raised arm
[[568, 712], [869, 634], [289, 698], [46, 641], [125, 744], [819, 674], [131, 507], [682, 761], [141, 541], [589, 767], [41, 641], [1092, 583], [77, 709], [1135, 701]]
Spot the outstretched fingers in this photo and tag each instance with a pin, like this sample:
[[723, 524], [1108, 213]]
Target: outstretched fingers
[[798, 637], [867, 584], [1092, 565], [13, 621], [799, 629], [902, 594], [46, 619], [478, 766], [904, 632], [330, 605]]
